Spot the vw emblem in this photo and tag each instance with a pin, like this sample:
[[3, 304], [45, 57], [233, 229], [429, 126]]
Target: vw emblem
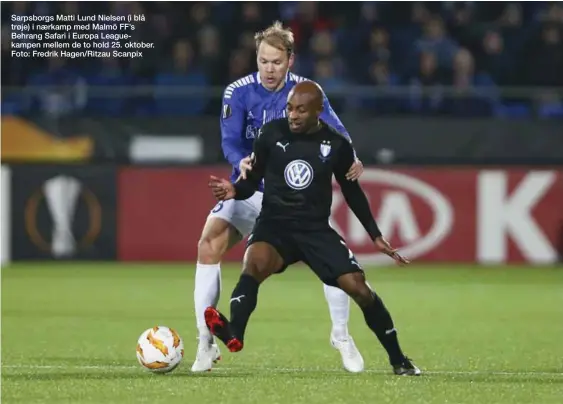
[[298, 174]]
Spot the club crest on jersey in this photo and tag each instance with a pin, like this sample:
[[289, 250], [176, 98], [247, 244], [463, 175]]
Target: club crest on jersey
[[325, 150], [252, 132], [298, 174]]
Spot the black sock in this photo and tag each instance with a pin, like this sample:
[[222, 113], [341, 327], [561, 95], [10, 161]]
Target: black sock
[[380, 322], [243, 303]]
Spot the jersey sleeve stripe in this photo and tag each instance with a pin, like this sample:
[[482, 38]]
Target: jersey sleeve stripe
[[296, 78], [244, 81]]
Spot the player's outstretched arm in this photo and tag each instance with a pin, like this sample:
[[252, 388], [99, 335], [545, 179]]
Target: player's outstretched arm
[[358, 203], [328, 115], [224, 190]]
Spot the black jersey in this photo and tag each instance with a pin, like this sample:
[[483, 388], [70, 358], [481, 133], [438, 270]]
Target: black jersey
[[297, 169]]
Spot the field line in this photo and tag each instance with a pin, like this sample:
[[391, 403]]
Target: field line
[[291, 370]]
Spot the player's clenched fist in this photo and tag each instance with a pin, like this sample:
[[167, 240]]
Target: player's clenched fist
[[384, 246], [222, 189]]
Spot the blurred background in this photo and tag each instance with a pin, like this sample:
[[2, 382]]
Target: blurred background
[[455, 108]]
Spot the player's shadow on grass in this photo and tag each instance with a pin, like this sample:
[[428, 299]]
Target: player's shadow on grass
[[108, 375], [71, 362], [140, 374]]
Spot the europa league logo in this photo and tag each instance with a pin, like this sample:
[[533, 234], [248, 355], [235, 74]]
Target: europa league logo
[[62, 195]]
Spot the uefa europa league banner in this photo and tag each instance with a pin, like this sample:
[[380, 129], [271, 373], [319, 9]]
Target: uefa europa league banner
[[63, 212]]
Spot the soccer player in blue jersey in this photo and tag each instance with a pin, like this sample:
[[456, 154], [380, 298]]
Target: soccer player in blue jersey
[[249, 103]]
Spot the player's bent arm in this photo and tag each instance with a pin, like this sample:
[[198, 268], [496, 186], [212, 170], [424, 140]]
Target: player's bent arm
[[358, 203], [353, 192], [232, 126], [245, 188]]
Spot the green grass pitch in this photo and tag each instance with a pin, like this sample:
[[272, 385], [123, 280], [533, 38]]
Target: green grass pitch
[[482, 335]]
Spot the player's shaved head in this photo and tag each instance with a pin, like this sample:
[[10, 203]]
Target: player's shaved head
[[304, 106], [309, 92]]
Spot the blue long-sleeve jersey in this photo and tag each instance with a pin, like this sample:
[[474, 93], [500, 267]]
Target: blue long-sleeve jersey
[[247, 105]]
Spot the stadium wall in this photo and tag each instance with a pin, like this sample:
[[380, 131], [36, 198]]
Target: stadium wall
[[5, 200], [405, 140], [443, 214]]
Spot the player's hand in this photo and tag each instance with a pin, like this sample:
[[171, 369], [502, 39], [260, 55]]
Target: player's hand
[[244, 166], [384, 246], [222, 189], [355, 171]]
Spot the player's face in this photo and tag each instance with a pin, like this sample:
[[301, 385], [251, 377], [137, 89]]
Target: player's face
[[273, 64], [301, 113]]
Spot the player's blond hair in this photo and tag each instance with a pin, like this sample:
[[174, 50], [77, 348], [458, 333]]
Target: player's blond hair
[[277, 36]]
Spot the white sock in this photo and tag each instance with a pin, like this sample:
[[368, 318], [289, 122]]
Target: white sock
[[339, 307], [206, 293]]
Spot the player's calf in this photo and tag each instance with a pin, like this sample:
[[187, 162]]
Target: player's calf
[[260, 261], [379, 320], [210, 250], [243, 302]]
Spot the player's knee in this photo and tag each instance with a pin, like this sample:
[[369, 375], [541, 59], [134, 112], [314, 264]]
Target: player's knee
[[257, 266], [257, 269], [210, 250], [361, 294], [261, 260]]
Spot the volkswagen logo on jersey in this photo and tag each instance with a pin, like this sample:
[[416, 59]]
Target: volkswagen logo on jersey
[[298, 174]]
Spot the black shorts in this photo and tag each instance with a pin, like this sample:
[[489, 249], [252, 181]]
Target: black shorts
[[324, 251]]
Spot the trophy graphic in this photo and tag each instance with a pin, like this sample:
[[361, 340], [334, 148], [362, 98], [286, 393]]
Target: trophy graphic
[[62, 193]]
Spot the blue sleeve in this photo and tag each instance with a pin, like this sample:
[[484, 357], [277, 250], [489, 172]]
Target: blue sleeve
[[232, 126], [329, 116]]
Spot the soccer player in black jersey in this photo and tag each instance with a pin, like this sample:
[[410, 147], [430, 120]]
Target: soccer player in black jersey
[[297, 157]]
